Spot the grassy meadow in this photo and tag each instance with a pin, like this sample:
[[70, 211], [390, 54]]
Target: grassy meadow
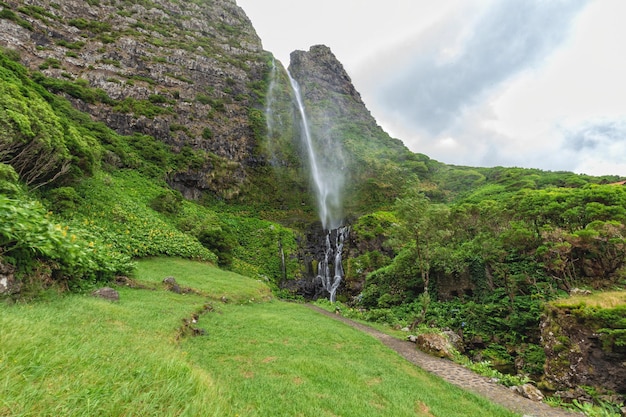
[[75, 355]]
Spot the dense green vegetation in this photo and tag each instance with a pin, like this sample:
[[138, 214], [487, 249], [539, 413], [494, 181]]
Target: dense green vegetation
[[79, 202], [81, 356], [485, 267]]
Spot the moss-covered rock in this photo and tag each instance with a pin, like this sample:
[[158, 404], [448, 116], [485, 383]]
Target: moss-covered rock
[[584, 346]]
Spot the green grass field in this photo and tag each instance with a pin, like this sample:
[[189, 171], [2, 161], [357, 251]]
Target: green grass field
[[76, 355]]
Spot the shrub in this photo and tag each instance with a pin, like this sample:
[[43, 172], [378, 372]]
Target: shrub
[[168, 202], [207, 133], [64, 199], [220, 241], [29, 236]]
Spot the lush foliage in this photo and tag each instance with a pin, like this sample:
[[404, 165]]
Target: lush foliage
[[484, 267], [109, 192], [35, 139], [54, 252], [116, 206], [476, 250]]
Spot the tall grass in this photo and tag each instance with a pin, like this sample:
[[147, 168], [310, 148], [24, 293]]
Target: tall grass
[[81, 356], [604, 299]]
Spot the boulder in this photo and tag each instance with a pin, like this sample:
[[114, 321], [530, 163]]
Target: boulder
[[455, 340], [435, 344], [169, 281], [528, 391], [172, 285], [107, 293]]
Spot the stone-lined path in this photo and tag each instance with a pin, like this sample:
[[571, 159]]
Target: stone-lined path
[[458, 375]]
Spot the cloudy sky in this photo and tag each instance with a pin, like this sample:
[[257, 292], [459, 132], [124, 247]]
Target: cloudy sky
[[528, 83]]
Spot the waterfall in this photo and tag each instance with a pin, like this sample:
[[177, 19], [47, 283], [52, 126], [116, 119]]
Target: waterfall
[[327, 176], [321, 190], [330, 275]]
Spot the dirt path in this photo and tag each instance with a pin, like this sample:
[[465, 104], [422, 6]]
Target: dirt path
[[458, 375]]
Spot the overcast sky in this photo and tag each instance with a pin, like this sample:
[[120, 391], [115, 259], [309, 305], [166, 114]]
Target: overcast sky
[[528, 83]]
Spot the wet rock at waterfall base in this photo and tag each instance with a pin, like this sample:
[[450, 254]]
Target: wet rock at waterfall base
[[321, 254]]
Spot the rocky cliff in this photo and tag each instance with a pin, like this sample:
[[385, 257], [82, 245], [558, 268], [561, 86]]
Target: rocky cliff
[[188, 73], [194, 75], [375, 165], [584, 346], [323, 77]]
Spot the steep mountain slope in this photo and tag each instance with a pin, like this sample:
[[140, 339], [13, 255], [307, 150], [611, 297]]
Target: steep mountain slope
[[194, 76], [187, 73], [377, 167]]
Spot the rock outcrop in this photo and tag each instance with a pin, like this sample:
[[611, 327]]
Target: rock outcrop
[[580, 351], [435, 344], [186, 73], [106, 293], [323, 76]]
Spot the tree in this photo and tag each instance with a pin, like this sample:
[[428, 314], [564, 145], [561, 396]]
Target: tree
[[421, 229]]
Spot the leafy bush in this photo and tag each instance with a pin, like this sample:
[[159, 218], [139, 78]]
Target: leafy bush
[[207, 133], [63, 199], [28, 236], [8, 180], [39, 142], [94, 26], [485, 368], [221, 242], [168, 202]]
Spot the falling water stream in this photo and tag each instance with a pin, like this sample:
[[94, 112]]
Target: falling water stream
[[328, 192], [321, 190]]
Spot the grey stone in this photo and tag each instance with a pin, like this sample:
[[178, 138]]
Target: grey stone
[[172, 285], [107, 293], [169, 281], [435, 344], [528, 391], [455, 340], [8, 284]]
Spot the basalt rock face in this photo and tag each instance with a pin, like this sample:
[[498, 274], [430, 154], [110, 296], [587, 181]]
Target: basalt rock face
[[313, 247], [324, 74], [185, 72], [580, 351]]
